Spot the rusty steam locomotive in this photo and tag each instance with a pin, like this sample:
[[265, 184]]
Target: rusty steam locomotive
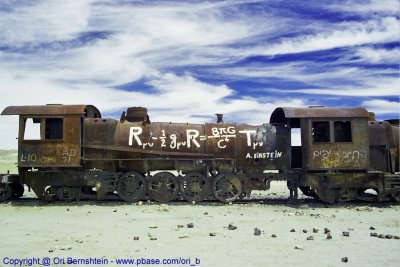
[[77, 154]]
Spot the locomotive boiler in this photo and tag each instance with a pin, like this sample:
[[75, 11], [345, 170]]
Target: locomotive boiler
[[77, 154]]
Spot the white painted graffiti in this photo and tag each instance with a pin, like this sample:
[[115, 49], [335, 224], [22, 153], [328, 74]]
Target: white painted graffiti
[[331, 159], [193, 138], [265, 155]]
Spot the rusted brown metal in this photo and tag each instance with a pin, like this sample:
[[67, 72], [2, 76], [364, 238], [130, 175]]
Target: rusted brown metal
[[77, 154], [282, 114], [53, 109]]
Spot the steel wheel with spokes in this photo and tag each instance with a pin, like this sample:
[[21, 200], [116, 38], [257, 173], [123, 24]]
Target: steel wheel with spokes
[[163, 187], [227, 187], [131, 187], [195, 187], [6, 192]]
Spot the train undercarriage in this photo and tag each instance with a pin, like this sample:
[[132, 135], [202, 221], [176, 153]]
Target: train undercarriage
[[196, 186]]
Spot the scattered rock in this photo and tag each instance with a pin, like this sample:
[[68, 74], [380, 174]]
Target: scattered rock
[[345, 259], [396, 237], [326, 230], [303, 207], [273, 235], [163, 207], [388, 236], [372, 228], [232, 227], [346, 233], [328, 235], [292, 230], [153, 238], [205, 213], [153, 226], [66, 248], [180, 226], [230, 203], [140, 203], [51, 250], [115, 210], [298, 247], [79, 241], [310, 237], [305, 231], [184, 236], [381, 236], [67, 209], [190, 225], [193, 202], [213, 234], [315, 230], [135, 238], [257, 231], [373, 234]]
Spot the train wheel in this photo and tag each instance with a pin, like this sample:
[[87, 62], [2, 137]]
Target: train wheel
[[6, 192], [18, 190], [395, 195], [131, 187], [227, 187], [308, 191], [195, 187], [163, 187], [329, 195]]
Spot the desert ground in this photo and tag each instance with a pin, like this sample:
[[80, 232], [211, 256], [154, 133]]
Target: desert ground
[[201, 234]]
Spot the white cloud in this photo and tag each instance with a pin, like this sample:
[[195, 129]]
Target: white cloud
[[370, 7], [149, 40], [43, 21], [379, 55], [342, 35], [379, 106]]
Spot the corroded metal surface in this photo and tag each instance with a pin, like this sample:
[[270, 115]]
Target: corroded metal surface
[[77, 154]]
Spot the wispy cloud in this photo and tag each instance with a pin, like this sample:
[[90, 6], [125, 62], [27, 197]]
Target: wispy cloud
[[186, 60]]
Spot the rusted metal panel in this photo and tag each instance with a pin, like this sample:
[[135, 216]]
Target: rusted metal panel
[[384, 140], [332, 154], [281, 114], [64, 152], [160, 136], [221, 139], [264, 147], [48, 110]]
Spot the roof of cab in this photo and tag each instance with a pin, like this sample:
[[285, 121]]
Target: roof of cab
[[53, 109], [282, 113]]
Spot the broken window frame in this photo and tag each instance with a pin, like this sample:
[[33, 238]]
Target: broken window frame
[[324, 133], [345, 134], [45, 124]]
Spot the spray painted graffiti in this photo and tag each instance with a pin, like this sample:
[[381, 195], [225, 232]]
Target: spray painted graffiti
[[332, 159]]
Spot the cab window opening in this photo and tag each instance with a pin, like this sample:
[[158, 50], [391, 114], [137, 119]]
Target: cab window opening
[[320, 132], [342, 130], [54, 129]]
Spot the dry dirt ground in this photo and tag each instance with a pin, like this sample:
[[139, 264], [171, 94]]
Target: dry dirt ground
[[52, 234], [107, 231]]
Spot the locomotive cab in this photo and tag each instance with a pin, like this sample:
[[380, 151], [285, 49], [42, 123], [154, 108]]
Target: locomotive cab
[[49, 138], [334, 142]]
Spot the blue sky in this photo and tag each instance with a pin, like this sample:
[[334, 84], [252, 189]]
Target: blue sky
[[187, 60]]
